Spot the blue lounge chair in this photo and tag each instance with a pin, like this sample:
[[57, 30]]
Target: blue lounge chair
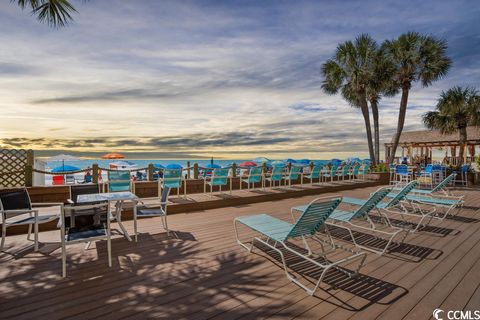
[[275, 176], [352, 219], [218, 178], [119, 181], [141, 210], [277, 232], [255, 175], [314, 174], [293, 174], [330, 172]]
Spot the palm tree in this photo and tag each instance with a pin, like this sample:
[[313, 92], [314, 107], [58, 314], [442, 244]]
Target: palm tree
[[55, 13], [416, 58], [456, 109], [350, 71]]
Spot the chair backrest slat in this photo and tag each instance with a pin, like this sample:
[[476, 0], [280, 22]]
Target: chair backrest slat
[[277, 172], [316, 172], [118, 181], [14, 200], [314, 216], [372, 202], [164, 198], [402, 193], [444, 183], [81, 189], [255, 174], [220, 176], [294, 172]]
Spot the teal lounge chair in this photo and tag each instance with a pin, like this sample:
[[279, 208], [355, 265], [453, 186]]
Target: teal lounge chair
[[119, 181], [218, 178], [364, 170], [441, 187], [355, 171], [352, 219], [275, 176], [314, 174], [343, 172], [293, 174], [275, 233], [255, 175]]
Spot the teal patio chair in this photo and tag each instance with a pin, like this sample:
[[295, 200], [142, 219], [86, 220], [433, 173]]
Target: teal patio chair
[[343, 172], [119, 181], [293, 174], [277, 233], [330, 172], [255, 175], [172, 178], [350, 220], [364, 169], [314, 174], [218, 178], [276, 176]]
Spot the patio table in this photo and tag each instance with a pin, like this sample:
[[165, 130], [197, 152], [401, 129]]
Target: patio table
[[118, 197]]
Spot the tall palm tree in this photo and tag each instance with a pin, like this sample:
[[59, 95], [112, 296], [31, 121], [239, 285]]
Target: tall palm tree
[[350, 71], [416, 58], [55, 13], [456, 109]]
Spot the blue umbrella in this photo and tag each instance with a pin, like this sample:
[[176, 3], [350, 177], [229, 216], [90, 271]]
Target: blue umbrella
[[261, 160], [278, 163], [173, 166], [65, 168], [158, 166], [303, 161], [289, 160]]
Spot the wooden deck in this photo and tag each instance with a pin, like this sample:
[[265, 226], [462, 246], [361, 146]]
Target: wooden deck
[[200, 272]]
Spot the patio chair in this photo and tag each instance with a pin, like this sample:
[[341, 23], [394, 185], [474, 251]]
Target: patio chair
[[172, 178], [255, 175], [95, 227], [293, 175], [119, 181], [70, 179], [330, 173], [314, 174], [16, 209], [343, 172], [218, 178], [143, 211], [363, 170], [275, 176], [425, 177], [58, 180], [349, 220], [306, 226], [355, 171], [82, 189]]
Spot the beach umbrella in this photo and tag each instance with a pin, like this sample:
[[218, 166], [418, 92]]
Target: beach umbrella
[[289, 160], [247, 164], [336, 161], [65, 168], [261, 160], [303, 161], [113, 155], [278, 163], [158, 166], [173, 166], [63, 158]]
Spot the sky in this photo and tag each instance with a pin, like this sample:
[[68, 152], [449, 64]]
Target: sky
[[193, 79]]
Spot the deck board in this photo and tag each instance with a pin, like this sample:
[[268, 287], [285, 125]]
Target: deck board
[[201, 273]]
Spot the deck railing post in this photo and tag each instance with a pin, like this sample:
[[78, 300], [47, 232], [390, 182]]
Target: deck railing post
[[28, 175], [195, 171], [188, 170], [95, 173], [150, 170], [234, 170]]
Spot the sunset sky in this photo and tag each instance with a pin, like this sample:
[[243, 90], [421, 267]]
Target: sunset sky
[[189, 79]]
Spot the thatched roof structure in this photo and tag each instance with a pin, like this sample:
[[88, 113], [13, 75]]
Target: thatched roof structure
[[435, 138]]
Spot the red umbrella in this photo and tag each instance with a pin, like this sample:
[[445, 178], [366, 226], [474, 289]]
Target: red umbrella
[[247, 164], [113, 155]]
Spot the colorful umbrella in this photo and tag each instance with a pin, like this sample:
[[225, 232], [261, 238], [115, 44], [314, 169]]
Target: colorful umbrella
[[65, 168], [63, 158], [113, 155], [247, 164]]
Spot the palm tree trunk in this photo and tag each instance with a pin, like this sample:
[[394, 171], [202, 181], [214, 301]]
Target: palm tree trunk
[[463, 142], [366, 117], [376, 130], [401, 121]]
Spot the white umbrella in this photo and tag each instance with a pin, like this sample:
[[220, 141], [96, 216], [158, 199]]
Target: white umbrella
[[63, 158]]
